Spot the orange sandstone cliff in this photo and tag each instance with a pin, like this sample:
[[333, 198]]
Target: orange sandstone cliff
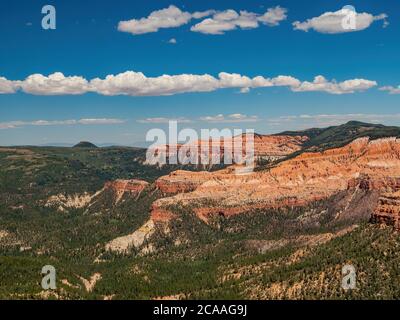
[[265, 147], [122, 187], [295, 182]]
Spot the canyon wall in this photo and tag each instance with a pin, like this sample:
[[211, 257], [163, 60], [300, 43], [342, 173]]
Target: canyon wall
[[120, 188], [388, 210], [265, 147], [295, 182]]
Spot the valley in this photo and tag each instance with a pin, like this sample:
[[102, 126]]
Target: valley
[[116, 227]]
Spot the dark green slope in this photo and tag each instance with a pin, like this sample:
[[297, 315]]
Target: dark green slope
[[85, 144], [338, 136]]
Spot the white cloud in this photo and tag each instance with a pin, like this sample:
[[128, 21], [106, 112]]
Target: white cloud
[[137, 84], [100, 121], [10, 125], [54, 84], [391, 89], [211, 26], [229, 20], [133, 83], [273, 16], [164, 120], [93, 121], [170, 17], [202, 14], [285, 81], [221, 21], [232, 118], [219, 117], [172, 41], [333, 22], [7, 86], [333, 87]]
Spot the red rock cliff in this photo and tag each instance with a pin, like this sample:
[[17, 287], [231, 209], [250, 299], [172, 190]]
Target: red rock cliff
[[388, 210], [265, 146], [298, 181], [122, 187]]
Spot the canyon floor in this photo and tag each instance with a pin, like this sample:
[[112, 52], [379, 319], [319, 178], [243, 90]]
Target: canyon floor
[[116, 227]]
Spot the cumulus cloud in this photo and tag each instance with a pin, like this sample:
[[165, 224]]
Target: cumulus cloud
[[232, 118], [286, 81], [93, 121], [273, 16], [164, 120], [7, 86], [133, 83], [54, 84], [137, 84], [391, 89], [220, 22], [172, 41], [229, 20], [322, 84], [340, 21], [170, 17]]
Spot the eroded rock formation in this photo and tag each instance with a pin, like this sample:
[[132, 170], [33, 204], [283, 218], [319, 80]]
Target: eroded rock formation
[[295, 182], [121, 187], [265, 147], [135, 240], [388, 210]]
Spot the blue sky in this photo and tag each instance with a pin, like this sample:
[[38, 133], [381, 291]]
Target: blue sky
[[88, 43]]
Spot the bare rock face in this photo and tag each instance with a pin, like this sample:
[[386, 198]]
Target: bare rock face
[[161, 215], [180, 181], [265, 147], [135, 240], [388, 210], [366, 182], [276, 146], [119, 188], [295, 182], [122, 187], [65, 202]]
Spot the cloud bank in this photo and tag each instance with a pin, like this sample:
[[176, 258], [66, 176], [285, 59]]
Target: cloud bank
[[220, 118], [133, 83], [161, 120], [40, 123], [232, 118]]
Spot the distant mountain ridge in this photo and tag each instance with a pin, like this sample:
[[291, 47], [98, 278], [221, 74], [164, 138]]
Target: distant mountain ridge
[[339, 136]]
